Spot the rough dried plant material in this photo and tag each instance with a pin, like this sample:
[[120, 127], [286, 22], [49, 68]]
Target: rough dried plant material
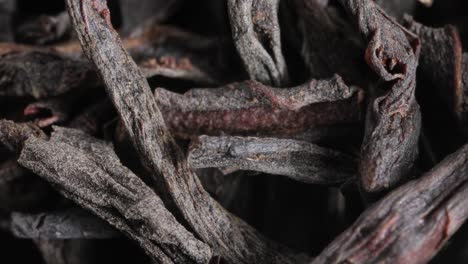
[[298, 160], [444, 66], [390, 145], [412, 223], [44, 29], [328, 44], [464, 106], [13, 135], [42, 74], [340, 121], [67, 224], [138, 14], [251, 108], [87, 171], [256, 33], [440, 62], [145, 125], [398, 8]]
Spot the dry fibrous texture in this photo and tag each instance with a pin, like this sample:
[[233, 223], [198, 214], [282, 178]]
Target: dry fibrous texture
[[44, 29], [149, 12], [464, 67], [13, 135], [251, 108], [298, 160], [412, 223], [87, 171], [253, 146], [65, 224], [256, 33], [464, 105], [393, 119], [440, 62], [329, 45], [41, 74], [189, 116], [443, 65], [145, 125]]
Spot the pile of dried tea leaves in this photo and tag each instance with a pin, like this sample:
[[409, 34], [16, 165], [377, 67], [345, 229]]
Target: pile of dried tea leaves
[[236, 131]]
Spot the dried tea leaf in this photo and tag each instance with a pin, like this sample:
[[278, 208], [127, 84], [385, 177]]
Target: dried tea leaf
[[464, 105], [256, 109], [13, 135], [87, 171], [412, 223], [298, 160], [440, 62], [67, 224], [256, 33], [393, 121], [43, 74], [145, 125]]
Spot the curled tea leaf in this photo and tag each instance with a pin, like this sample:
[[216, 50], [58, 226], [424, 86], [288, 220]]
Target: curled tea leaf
[[256, 33], [87, 171], [412, 223], [255, 109], [298, 160], [393, 121]]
